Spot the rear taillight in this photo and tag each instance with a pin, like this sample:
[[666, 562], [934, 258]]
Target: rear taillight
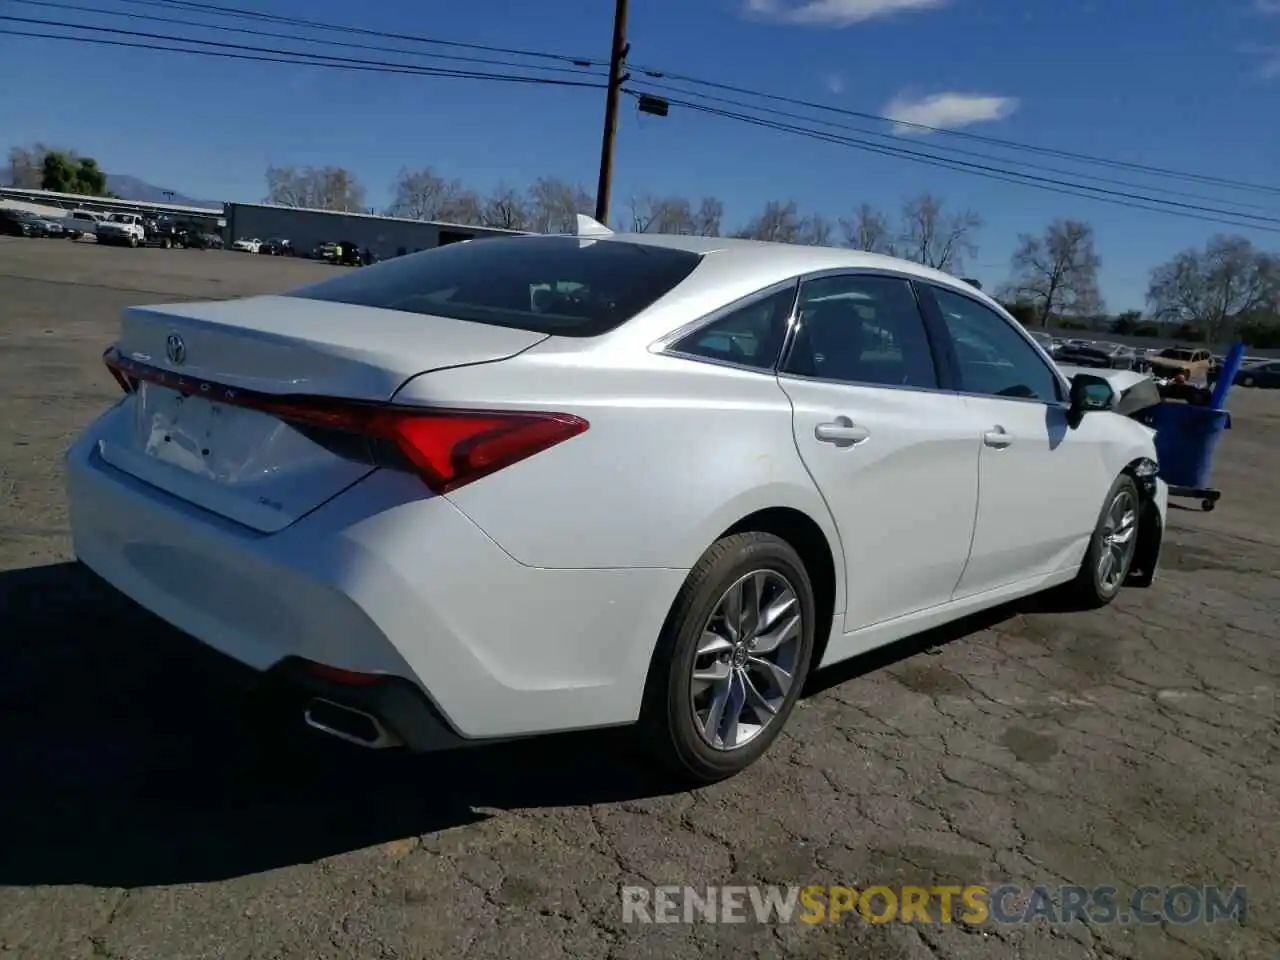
[[448, 448]]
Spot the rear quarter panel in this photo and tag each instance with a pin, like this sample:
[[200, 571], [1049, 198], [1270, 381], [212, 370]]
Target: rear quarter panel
[[677, 452]]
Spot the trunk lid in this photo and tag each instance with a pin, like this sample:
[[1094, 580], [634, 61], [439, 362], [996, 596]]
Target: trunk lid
[[249, 466]]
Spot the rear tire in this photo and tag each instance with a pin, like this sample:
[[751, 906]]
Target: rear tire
[[1111, 550], [745, 620]]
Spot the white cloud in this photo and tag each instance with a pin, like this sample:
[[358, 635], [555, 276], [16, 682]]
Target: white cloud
[[946, 111], [1266, 60], [835, 83], [835, 13], [1270, 68]]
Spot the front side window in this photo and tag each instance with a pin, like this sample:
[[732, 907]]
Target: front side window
[[861, 329], [749, 336], [566, 286], [995, 359]]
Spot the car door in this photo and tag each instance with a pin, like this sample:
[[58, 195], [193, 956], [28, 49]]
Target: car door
[[893, 454], [1041, 483]]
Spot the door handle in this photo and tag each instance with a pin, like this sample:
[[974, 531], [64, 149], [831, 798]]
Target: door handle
[[842, 432], [997, 437]]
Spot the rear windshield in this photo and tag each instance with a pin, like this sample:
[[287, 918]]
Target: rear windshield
[[566, 286]]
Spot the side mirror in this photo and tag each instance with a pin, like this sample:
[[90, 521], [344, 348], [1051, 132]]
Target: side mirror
[[1089, 394]]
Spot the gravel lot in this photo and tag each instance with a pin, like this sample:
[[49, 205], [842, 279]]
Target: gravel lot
[[151, 811]]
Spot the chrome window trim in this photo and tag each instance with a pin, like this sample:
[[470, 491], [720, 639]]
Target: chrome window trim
[[665, 345]]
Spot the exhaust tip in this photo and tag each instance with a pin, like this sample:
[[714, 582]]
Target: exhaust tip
[[347, 723]]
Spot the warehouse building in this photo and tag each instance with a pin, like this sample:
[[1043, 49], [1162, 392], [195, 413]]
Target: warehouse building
[[306, 229]]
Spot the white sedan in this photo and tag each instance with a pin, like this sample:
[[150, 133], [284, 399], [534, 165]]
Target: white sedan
[[533, 484], [244, 245]]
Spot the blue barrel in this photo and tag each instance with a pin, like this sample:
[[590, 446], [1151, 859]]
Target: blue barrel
[[1186, 437]]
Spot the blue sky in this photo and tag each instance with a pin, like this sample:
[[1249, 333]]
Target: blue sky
[[1186, 84]]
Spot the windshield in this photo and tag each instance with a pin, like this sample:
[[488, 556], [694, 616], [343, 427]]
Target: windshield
[[565, 286], [1173, 354]]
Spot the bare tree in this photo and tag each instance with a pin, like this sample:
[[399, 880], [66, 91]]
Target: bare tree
[[650, 214], [936, 238], [555, 204], [315, 188], [425, 195], [708, 218], [778, 221], [869, 229], [26, 164], [505, 208], [1057, 274], [1214, 287], [815, 230]]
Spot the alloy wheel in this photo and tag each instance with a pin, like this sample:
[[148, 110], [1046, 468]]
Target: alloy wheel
[[746, 659], [1119, 540]]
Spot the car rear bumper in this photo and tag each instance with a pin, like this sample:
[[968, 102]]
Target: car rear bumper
[[468, 643]]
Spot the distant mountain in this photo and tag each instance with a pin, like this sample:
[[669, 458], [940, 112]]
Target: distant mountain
[[131, 188]]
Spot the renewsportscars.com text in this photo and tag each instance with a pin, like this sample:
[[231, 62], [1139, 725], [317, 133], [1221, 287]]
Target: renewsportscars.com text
[[973, 904]]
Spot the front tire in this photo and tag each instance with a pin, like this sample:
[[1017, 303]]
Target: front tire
[[732, 658], [1111, 550]]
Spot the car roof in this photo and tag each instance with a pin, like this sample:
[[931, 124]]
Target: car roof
[[747, 253], [733, 268]]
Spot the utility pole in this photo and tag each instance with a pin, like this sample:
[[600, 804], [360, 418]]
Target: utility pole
[[617, 60]]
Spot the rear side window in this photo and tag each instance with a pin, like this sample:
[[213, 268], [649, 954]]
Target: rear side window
[[749, 336], [566, 286]]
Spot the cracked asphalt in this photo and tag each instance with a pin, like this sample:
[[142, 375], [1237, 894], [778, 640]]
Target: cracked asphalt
[[151, 810]]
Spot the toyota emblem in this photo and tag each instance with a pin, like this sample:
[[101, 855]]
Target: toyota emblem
[[175, 348]]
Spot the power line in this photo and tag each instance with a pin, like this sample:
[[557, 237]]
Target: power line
[[582, 66], [241, 13], [288, 57], [959, 151], [1169, 172], [220, 10], [268, 34], [1132, 201], [273, 55], [578, 71]]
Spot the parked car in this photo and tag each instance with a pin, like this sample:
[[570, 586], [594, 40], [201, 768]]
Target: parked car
[[22, 223], [203, 241], [1093, 356], [51, 227], [341, 252], [122, 230], [1189, 362], [276, 247], [1262, 374], [82, 223], [449, 511], [246, 245], [164, 232]]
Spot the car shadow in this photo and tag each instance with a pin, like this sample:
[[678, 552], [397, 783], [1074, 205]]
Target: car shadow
[[929, 641], [131, 757]]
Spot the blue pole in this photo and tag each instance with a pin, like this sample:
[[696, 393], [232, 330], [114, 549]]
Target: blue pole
[[1227, 375]]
